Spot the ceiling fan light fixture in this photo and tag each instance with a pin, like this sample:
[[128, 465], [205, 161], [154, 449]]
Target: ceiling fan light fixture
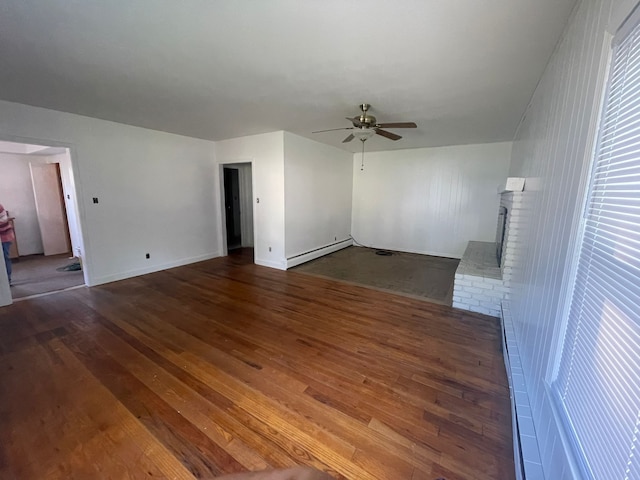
[[363, 134]]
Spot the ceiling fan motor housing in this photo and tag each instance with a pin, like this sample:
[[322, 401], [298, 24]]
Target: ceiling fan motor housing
[[365, 120]]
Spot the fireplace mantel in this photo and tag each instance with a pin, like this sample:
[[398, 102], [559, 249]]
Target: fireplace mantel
[[513, 184]]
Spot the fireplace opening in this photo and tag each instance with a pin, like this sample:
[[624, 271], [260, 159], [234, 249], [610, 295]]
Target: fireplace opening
[[502, 223]]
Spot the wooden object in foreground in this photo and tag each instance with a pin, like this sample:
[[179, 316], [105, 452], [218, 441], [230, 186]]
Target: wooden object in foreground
[[224, 366]]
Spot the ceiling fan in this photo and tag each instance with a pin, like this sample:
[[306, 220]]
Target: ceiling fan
[[366, 125]]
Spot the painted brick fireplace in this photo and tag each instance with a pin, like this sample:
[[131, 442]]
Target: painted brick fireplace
[[480, 283]]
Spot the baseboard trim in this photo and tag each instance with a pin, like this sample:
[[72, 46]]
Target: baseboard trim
[[92, 282], [271, 264], [317, 253]]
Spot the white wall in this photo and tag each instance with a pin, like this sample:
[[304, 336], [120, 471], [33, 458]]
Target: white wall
[[428, 200], [16, 194], [266, 154], [318, 190], [553, 151], [157, 191]]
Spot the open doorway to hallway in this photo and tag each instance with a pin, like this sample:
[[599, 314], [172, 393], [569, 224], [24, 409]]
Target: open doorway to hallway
[[238, 206], [37, 189]]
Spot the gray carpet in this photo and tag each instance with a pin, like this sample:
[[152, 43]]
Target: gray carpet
[[424, 276], [36, 274]]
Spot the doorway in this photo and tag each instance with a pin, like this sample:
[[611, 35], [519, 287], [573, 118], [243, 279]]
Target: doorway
[[238, 206], [232, 207], [38, 191]]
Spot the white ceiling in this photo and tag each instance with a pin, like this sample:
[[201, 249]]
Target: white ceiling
[[463, 70]]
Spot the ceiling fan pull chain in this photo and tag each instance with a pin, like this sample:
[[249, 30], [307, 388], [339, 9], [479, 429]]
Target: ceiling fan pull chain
[[362, 164]]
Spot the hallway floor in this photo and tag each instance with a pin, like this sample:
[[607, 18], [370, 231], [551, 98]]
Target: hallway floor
[[37, 274]]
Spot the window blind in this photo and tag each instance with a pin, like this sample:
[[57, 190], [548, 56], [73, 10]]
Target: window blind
[[598, 382]]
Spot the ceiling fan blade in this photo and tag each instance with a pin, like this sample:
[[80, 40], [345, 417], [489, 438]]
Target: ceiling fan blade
[[348, 139], [397, 125], [355, 120], [389, 135], [333, 129]]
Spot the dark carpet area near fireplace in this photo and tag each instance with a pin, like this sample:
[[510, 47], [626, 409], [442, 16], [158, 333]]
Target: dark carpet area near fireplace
[[423, 276]]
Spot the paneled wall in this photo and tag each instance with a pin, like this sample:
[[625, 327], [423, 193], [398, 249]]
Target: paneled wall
[[553, 151], [428, 200]]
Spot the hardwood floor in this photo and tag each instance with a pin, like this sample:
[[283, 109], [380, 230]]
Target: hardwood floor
[[224, 366]]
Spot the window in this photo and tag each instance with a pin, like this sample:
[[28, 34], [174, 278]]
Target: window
[[598, 381]]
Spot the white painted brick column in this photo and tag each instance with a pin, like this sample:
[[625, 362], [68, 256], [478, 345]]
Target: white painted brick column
[[480, 285], [513, 202]]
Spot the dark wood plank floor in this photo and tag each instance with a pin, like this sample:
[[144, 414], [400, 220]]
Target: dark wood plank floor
[[224, 366]]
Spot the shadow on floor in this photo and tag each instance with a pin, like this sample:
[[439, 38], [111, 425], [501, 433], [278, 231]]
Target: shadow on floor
[[422, 276], [37, 274]]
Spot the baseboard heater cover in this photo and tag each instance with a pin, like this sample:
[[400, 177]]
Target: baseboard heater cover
[[526, 454], [318, 252]]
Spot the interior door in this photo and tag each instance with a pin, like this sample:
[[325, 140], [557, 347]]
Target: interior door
[[52, 215]]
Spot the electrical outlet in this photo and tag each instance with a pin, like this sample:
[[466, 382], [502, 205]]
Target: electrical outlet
[[95, 199], [269, 248], [335, 239], [147, 256]]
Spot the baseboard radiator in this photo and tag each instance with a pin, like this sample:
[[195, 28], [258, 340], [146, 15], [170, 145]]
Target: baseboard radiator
[[526, 454], [317, 253]]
